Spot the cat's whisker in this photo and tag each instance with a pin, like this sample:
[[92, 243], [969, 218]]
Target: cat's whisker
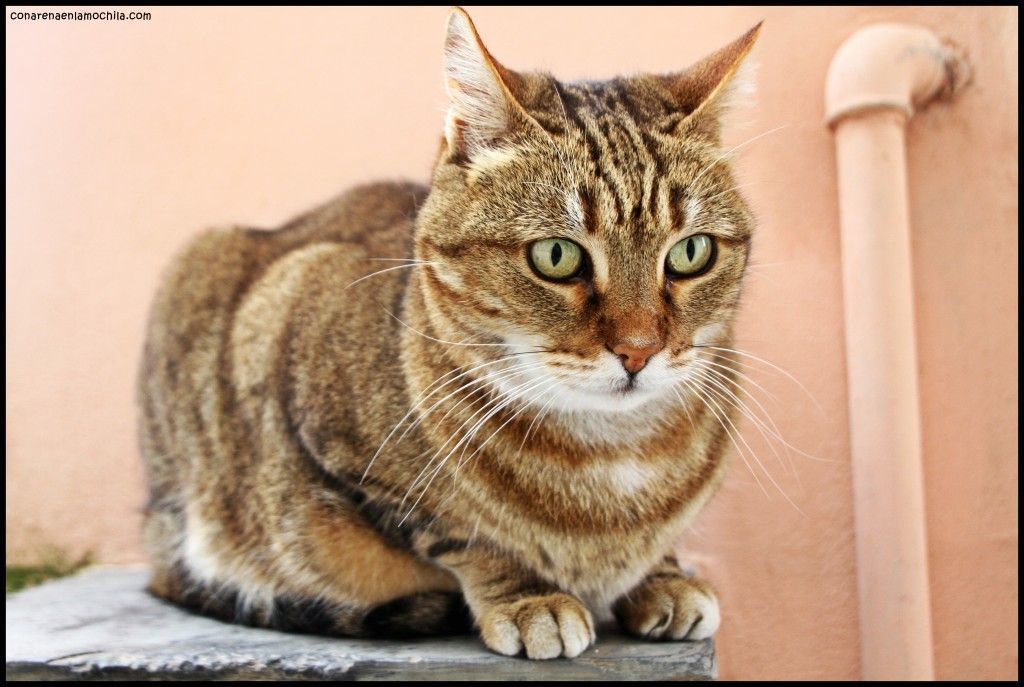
[[463, 459], [388, 269], [767, 433], [753, 454], [741, 374], [728, 397], [464, 387], [424, 262], [771, 365], [759, 265], [696, 391], [774, 430], [476, 529], [441, 422], [737, 187], [734, 149], [422, 398], [497, 404], [704, 394], [537, 418], [472, 403], [552, 384], [440, 341], [468, 436], [684, 404], [487, 379], [424, 395]]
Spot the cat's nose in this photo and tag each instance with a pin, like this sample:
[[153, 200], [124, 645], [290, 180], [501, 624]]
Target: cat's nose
[[635, 357]]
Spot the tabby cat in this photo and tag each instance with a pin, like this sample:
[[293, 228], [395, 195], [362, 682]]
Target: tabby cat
[[485, 403]]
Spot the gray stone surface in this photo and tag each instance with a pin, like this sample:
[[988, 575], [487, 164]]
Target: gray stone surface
[[100, 624]]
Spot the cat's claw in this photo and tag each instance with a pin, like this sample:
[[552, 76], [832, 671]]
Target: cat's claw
[[545, 626], [670, 608]]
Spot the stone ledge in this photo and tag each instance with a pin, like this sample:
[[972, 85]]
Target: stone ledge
[[100, 624]]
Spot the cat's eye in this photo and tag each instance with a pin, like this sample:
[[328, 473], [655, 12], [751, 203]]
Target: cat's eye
[[557, 259], [691, 256]]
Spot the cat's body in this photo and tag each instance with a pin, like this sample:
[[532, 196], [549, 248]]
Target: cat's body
[[337, 452]]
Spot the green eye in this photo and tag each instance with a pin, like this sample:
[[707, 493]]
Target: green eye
[[556, 258], [691, 256]]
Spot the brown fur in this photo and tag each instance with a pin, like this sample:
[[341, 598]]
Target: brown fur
[[299, 480]]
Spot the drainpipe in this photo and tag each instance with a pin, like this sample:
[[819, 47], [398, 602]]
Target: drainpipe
[[876, 81]]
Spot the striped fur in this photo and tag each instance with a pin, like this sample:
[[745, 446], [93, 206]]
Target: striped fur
[[377, 420]]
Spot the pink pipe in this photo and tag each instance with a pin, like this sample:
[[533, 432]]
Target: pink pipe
[[876, 80]]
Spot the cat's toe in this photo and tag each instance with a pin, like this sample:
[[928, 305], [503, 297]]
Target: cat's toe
[[675, 608], [545, 626], [696, 616]]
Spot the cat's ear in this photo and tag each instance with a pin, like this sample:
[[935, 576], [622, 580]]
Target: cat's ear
[[482, 108], [705, 90]]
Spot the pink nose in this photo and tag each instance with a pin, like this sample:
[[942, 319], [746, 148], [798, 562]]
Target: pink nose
[[635, 357]]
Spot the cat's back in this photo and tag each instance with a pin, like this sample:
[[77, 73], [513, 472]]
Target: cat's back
[[212, 290]]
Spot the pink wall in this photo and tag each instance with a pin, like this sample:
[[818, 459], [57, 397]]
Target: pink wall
[[124, 139]]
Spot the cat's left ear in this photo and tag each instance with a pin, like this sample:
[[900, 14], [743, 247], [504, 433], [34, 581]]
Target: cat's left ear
[[482, 107], [704, 90]]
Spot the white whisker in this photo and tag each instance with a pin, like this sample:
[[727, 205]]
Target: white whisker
[[696, 391], [490, 378], [737, 187], [753, 454], [540, 414], [423, 396], [468, 436], [727, 153], [458, 429], [770, 364], [388, 269], [551, 385], [423, 262], [440, 341], [729, 397], [774, 430], [744, 376]]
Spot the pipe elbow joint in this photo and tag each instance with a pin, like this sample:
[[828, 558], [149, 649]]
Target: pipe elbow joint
[[895, 67]]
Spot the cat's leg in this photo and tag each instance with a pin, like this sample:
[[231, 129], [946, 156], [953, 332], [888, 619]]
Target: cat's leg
[[669, 605], [335, 568], [515, 610]]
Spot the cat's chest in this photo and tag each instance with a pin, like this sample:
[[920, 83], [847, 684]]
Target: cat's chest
[[625, 477], [647, 509], [600, 568]]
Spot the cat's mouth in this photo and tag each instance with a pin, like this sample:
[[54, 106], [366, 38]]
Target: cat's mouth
[[628, 385]]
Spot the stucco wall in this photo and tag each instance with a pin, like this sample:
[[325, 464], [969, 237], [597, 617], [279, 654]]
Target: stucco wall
[[124, 139]]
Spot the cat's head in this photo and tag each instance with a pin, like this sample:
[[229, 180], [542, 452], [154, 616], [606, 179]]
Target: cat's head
[[590, 232]]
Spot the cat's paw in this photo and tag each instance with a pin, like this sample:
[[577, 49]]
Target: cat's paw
[[546, 626], [669, 608]]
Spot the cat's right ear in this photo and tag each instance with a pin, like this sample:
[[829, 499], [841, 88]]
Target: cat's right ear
[[705, 89], [482, 108]]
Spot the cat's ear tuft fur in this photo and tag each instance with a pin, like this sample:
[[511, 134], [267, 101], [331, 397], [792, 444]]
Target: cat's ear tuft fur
[[481, 106], [707, 88]]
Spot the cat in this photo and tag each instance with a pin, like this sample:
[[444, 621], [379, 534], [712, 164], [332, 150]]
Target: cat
[[488, 403]]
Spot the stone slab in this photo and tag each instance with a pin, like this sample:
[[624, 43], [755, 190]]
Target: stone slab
[[101, 624]]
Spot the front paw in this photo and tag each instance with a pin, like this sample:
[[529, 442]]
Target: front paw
[[546, 626], [669, 608]]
